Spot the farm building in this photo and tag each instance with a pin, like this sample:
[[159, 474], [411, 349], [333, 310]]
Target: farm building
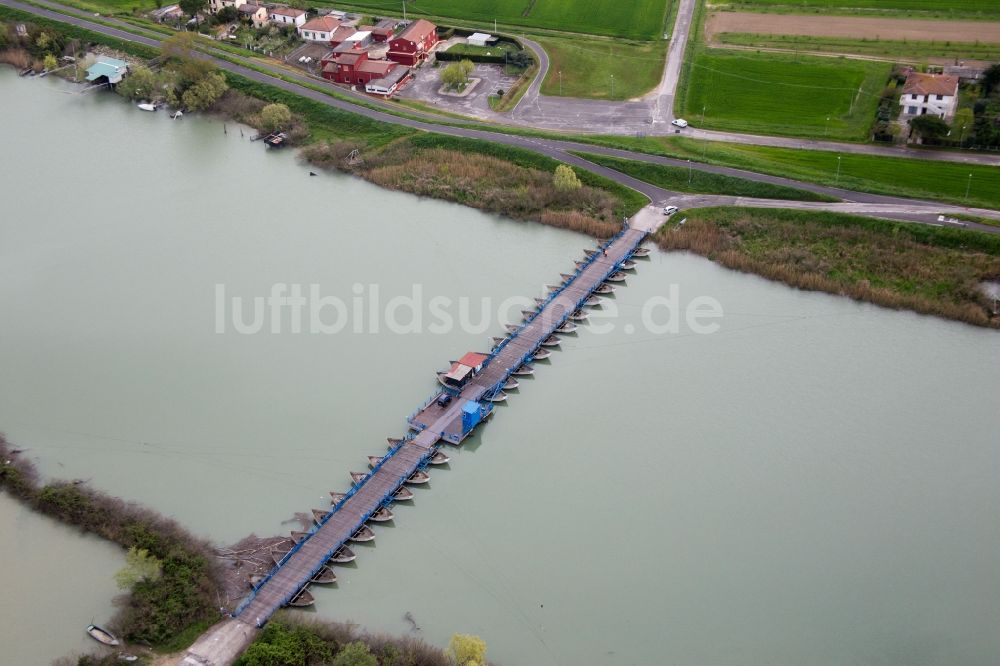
[[214, 6], [933, 94], [479, 39], [168, 13], [354, 67], [388, 84], [341, 34], [256, 14], [359, 39], [110, 69], [287, 16], [319, 29], [383, 30], [412, 46]]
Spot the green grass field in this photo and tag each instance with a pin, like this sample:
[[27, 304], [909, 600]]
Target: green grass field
[[922, 179], [986, 7], [871, 47], [587, 66], [767, 93], [681, 179], [634, 19]]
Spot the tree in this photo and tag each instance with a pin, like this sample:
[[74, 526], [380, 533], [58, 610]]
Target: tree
[[466, 66], [139, 565], [49, 62], [467, 650], [929, 127], [565, 179], [227, 15], [355, 654], [139, 84], [192, 7], [964, 120], [274, 117], [206, 92], [452, 76], [991, 79]]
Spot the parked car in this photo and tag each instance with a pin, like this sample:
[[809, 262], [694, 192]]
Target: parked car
[[679, 122], [443, 400], [669, 210]]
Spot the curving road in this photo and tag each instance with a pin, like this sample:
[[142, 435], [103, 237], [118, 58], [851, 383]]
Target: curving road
[[898, 208]]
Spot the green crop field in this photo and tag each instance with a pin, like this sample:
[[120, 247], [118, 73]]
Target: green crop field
[[587, 66], [766, 93], [634, 19], [985, 7]]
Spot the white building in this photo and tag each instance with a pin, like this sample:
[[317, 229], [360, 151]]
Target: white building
[[478, 39], [933, 94], [319, 29], [287, 16]]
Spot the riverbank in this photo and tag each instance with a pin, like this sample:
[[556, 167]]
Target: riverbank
[[926, 269], [167, 612]]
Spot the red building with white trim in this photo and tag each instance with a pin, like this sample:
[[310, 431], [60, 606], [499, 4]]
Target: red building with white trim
[[412, 46], [354, 68]]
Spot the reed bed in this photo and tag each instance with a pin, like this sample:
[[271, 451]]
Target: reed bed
[[897, 265]]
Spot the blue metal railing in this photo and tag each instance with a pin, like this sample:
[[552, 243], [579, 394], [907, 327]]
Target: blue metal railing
[[333, 510]]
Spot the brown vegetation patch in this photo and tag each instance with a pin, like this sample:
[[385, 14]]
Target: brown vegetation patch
[[894, 265], [481, 181], [851, 26], [16, 57]]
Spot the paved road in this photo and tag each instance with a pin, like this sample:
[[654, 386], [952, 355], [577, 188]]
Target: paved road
[[675, 58], [896, 207]]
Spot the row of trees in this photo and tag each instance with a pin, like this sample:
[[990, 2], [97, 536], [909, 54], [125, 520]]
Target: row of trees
[[184, 81]]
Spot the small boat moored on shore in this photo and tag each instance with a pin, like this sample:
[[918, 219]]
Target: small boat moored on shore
[[374, 460], [541, 354], [592, 301], [146, 106], [357, 477], [551, 341], [605, 289], [628, 265], [641, 252], [102, 636], [336, 497], [298, 537], [566, 327], [511, 384], [579, 315], [319, 515], [617, 276], [499, 397], [525, 370], [382, 515]]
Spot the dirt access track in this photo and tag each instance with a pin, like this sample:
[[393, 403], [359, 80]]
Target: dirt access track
[[854, 27]]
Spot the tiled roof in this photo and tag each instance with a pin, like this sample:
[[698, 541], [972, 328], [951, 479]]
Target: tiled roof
[[930, 84]]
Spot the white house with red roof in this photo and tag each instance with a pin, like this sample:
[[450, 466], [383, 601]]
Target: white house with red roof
[[929, 94], [287, 16], [319, 29]]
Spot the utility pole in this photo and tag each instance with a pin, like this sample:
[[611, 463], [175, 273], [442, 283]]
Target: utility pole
[[703, 107], [689, 172], [826, 127], [968, 187], [494, 26], [612, 86], [838, 170], [404, 10], [560, 83]]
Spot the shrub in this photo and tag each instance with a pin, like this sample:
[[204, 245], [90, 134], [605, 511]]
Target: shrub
[[565, 179]]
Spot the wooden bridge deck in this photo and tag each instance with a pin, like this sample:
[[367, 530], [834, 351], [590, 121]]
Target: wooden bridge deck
[[298, 568]]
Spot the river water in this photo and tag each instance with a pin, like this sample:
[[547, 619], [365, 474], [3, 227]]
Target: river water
[[814, 483]]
